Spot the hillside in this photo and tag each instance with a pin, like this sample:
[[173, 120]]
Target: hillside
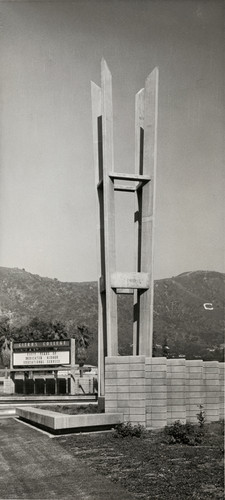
[[179, 313]]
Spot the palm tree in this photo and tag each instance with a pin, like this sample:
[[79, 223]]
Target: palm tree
[[6, 353], [5, 334], [83, 339]]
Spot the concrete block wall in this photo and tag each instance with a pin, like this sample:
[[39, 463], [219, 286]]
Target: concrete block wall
[[222, 377], [211, 381], [125, 387], [157, 391], [195, 392], [176, 390], [8, 386]]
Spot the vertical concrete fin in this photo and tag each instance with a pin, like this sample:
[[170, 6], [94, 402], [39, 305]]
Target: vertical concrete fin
[[109, 209], [96, 96], [96, 114], [139, 150], [148, 209]]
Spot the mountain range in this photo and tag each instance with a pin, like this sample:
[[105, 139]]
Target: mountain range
[[188, 310]]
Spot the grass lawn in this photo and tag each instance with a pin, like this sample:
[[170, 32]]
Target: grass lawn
[[150, 468]]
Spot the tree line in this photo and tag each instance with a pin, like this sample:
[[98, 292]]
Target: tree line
[[38, 329]]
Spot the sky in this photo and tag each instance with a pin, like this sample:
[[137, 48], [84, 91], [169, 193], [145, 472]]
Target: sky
[[50, 51]]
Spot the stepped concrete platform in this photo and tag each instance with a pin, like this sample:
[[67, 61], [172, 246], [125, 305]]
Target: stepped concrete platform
[[62, 423]]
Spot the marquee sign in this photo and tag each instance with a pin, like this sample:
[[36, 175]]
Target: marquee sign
[[41, 353]]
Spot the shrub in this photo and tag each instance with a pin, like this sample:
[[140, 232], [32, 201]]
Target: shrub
[[201, 417], [182, 434], [126, 429], [222, 424]]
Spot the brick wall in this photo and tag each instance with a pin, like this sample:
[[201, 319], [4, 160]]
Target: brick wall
[[157, 391]]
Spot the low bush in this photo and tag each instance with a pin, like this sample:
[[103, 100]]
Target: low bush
[[180, 433], [128, 430], [201, 416], [222, 424]]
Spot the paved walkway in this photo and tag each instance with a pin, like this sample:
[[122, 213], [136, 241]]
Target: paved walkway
[[34, 466]]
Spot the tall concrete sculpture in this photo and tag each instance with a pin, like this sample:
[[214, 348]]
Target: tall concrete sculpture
[[111, 282]]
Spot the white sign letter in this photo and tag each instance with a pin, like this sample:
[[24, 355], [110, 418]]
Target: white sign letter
[[208, 306]]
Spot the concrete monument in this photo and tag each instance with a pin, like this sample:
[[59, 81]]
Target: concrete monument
[[142, 184]]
